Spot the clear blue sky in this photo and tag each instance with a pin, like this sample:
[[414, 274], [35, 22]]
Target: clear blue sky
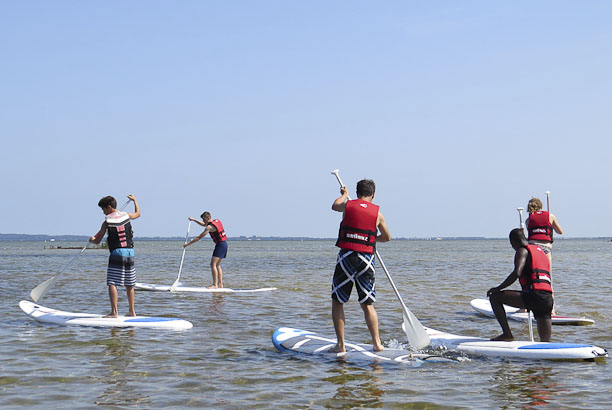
[[459, 110]]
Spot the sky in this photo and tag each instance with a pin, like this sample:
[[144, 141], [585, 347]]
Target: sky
[[460, 111]]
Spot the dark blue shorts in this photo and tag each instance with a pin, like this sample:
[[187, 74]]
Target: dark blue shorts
[[220, 250]]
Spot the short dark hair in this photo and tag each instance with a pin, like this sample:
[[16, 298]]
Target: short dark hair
[[517, 236], [205, 214], [365, 187], [106, 201]]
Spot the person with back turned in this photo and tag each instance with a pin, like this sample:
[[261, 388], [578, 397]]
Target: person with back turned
[[120, 242], [357, 239], [540, 227], [532, 269]]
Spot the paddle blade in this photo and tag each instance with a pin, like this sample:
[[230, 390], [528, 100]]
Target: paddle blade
[[415, 332], [39, 291]]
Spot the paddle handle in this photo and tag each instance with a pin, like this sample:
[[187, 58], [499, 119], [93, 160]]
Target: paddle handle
[[520, 211]]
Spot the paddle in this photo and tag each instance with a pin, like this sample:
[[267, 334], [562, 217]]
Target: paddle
[[520, 211], [176, 282], [414, 330], [41, 290]]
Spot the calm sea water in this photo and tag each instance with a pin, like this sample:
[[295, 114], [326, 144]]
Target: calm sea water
[[228, 361]]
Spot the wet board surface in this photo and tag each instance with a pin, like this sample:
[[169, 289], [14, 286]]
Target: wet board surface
[[517, 349], [58, 317], [288, 339], [181, 288], [483, 306]]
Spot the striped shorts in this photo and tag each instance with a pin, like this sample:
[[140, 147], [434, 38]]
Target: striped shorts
[[121, 271]]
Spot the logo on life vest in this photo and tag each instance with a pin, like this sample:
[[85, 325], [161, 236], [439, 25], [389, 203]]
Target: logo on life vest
[[356, 236], [363, 205]]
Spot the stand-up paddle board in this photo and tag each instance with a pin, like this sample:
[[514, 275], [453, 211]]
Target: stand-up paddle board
[[483, 306], [287, 339], [58, 317], [526, 350], [181, 288]]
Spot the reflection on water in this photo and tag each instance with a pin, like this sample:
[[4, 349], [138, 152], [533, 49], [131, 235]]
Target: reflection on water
[[355, 388], [117, 359], [531, 387]]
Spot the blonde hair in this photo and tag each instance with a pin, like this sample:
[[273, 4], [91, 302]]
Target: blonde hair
[[534, 205]]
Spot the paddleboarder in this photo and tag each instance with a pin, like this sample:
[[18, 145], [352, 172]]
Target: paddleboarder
[[357, 239], [120, 271], [532, 269], [214, 227], [540, 226]]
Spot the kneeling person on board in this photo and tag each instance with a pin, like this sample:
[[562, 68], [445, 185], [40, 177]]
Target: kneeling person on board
[[355, 263], [532, 269], [214, 227], [120, 241]]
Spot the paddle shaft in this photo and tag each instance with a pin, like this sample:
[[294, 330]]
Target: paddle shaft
[[176, 282]]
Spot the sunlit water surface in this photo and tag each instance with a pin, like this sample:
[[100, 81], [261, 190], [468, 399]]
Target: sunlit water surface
[[228, 361]]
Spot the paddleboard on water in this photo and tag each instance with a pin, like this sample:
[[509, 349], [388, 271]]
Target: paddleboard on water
[[483, 306], [525, 350], [58, 317], [181, 288], [287, 339]]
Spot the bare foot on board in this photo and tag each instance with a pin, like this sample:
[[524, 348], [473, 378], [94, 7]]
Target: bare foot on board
[[502, 338], [337, 349]]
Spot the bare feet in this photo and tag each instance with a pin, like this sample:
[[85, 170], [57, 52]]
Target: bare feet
[[378, 347], [503, 338], [211, 287], [110, 315], [337, 349]]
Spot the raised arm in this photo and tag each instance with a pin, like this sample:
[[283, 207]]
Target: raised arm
[[197, 221], [136, 213], [339, 204]]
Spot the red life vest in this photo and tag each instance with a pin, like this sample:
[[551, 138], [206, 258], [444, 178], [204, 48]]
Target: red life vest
[[358, 227], [539, 277], [539, 227], [218, 236]]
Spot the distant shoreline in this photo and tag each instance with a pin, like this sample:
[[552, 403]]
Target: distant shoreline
[[82, 238]]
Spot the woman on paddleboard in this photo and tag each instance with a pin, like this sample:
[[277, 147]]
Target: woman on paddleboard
[[214, 227], [355, 263], [540, 226], [532, 269], [120, 271]]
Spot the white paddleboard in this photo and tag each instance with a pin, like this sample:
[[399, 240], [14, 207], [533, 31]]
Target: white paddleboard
[[287, 339], [483, 306], [526, 350], [58, 317], [181, 288]]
